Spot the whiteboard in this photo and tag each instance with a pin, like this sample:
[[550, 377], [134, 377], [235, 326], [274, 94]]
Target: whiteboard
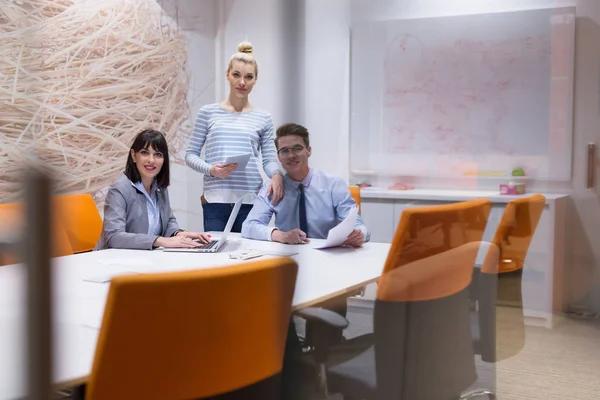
[[442, 97]]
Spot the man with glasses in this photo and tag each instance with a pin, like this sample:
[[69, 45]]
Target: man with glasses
[[313, 203]]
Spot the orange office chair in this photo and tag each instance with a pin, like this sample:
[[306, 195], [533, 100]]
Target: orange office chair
[[195, 334], [423, 347], [81, 219], [502, 268], [12, 220], [355, 193], [515, 231], [427, 231]]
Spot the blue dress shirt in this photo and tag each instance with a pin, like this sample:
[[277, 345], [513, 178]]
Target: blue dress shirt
[[154, 227], [328, 201]]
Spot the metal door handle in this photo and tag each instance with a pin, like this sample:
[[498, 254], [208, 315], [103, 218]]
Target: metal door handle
[[591, 162]]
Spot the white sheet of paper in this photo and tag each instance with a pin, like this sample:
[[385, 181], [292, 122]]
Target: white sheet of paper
[[241, 160], [338, 234]]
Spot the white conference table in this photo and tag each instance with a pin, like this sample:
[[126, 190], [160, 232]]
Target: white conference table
[[78, 305]]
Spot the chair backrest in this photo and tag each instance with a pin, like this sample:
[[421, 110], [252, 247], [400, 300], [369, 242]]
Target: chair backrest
[[355, 193], [12, 220], [515, 231], [193, 334], [423, 344], [430, 230], [81, 219]]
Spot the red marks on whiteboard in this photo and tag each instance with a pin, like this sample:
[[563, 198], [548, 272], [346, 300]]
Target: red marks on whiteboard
[[457, 96]]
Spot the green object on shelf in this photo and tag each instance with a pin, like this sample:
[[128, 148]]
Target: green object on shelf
[[518, 172]]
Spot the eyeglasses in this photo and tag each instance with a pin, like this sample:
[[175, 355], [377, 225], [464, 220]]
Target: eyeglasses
[[285, 152]]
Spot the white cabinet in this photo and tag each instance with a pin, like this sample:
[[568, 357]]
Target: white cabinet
[[543, 270], [377, 215]]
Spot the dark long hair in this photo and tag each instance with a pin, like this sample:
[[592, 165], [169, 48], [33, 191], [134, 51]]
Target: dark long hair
[[145, 139]]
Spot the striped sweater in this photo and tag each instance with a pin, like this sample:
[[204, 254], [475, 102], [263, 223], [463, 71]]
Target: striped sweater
[[222, 134]]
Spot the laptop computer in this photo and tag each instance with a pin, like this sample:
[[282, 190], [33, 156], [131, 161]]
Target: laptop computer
[[214, 245]]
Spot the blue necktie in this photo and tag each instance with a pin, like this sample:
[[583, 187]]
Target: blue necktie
[[302, 211]]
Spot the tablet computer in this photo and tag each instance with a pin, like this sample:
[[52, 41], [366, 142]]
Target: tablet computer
[[240, 159]]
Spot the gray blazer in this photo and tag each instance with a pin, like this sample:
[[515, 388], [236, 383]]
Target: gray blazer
[[126, 217]]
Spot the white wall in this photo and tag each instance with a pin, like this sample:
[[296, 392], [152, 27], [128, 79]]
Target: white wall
[[363, 10], [583, 276], [259, 22], [326, 65], [198, 21]]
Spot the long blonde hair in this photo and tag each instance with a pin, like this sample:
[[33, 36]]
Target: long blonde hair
[[244, 55]]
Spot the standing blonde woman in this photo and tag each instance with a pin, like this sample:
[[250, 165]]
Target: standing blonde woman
[[229, 128]]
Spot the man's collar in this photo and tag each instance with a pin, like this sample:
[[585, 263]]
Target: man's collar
[[305, 182]]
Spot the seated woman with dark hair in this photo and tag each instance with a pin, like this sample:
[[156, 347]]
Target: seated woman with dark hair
[[137, 213]]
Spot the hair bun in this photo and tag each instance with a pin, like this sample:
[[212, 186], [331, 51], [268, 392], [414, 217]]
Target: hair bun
[[245, 47]]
